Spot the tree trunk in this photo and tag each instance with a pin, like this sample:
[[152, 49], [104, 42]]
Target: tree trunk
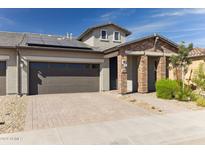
[[183, 78]]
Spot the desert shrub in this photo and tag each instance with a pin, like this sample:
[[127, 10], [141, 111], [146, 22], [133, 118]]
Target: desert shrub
[[166, 88], [184, 94], [173, 89], [194, 97], [200, 101]]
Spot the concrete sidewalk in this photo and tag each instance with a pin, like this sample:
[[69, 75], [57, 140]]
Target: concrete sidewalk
[[176, 128]]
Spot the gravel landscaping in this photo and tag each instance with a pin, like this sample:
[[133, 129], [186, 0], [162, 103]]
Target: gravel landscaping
[[150, 103], [190, 105], [167, 106], [12, 114], [142, 104]]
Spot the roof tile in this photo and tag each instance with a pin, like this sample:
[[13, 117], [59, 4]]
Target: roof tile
[[197, 52]]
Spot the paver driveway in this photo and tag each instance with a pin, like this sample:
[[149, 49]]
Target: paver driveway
[[176, 128], [55, 110]]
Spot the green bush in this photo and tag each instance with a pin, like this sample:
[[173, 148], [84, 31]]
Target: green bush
[[194, 97], [184, 94], [200, 101], [172, 89], [166, 88]]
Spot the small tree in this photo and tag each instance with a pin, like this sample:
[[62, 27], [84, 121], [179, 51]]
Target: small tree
[[199, 77], [181, 60]]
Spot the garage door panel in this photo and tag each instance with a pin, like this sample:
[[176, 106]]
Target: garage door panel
[[68, 72], [69, 80], [44, 80], [65, 89], [90, 85], [2, 85]]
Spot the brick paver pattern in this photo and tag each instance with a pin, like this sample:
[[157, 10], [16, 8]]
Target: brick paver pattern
[[56, 110]]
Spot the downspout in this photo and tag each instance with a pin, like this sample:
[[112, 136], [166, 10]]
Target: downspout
[[18, 73], [18, 60]]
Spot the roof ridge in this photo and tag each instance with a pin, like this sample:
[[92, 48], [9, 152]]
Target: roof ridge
[[32, 33], [140, 39], [199, 48], [102, 25]]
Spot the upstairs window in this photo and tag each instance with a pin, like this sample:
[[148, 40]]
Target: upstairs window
[[116, 36], [104, 35]]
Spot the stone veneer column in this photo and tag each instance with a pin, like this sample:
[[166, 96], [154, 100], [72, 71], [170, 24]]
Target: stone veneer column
[[161, 68], [143, 75], [122, 74]]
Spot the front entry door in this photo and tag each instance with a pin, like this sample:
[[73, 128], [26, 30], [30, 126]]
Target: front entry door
[[152, 73]]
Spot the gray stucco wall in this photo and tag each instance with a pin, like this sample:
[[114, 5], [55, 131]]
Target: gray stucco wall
[[93, 38], [11, 70]]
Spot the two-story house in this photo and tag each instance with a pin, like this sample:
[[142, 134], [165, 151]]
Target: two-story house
[[100, 59]]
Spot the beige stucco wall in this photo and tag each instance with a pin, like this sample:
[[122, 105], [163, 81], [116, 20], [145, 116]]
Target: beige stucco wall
[[89, 39], [61, 56], [171, 73], [192, 68], [93, 38], [11, 70]]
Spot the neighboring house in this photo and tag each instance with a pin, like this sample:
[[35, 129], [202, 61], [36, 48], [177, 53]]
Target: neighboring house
[[98, 60], [197, 56]]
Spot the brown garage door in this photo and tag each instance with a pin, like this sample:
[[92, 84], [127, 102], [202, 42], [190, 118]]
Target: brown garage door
[[48, 78], [2, 78]]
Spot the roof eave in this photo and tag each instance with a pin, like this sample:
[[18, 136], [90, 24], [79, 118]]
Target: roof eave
[[8, 47], [138, 40], [127, 32], [62, 49], [198, 56]]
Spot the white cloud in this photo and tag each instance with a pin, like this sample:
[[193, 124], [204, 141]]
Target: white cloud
[[5, 21], [182, 36], [198, 42], [181, 12], [185, 29], [108, 16], [148, 28], [152, 27]]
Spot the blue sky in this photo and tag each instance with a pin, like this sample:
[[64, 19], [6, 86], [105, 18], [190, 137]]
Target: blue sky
[[177, 24]]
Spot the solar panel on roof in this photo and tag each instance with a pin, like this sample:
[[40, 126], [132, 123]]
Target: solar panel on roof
[[55, 42], [51, 41], [63, 42], [35, 40]]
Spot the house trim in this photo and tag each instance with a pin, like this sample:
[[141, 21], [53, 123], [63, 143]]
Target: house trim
[[4, 57], [62, 59]]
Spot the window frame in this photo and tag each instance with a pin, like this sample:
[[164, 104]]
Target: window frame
[[114, 36], [106, 39]]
